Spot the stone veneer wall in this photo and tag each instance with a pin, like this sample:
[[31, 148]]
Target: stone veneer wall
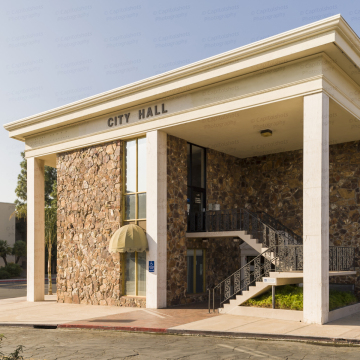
[[176, 220], [218, 251], [89, 211], [273, 183]]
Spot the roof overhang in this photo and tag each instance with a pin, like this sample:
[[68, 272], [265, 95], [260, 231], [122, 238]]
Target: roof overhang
[[332, 36]]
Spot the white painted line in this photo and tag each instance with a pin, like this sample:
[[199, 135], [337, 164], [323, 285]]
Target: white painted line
[[250, 351], [240, 350], [153, 313]]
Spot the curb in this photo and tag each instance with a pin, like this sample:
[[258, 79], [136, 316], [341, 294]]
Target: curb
[[260, 336], [239, 335], [218, 334], [119, 328]]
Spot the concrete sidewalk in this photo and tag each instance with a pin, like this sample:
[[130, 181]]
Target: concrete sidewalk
[[176, 320]]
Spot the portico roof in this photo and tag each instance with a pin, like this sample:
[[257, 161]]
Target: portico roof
[[332, 39]]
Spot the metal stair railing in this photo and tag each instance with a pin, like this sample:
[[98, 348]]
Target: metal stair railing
[[290, 237], [234, 284], [234, 220], [278, 258], [284, 247]]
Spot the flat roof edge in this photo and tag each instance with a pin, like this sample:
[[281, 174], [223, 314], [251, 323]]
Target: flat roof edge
[[331, 23]]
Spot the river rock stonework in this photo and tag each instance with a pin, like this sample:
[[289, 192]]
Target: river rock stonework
[[222, 256], [89, 212], [176, 220]]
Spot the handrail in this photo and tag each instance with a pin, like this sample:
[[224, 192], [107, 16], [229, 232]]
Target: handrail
[[234, 280], [284, 248], [279, 226], [279, 258], [233, 220]]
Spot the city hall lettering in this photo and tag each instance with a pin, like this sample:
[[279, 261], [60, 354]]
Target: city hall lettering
[[143, 114]]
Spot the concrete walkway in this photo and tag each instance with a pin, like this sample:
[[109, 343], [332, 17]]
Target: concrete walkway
[[176, 320], [18, 311]]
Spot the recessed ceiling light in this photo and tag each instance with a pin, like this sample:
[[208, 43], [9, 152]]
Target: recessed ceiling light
[[266, 132]]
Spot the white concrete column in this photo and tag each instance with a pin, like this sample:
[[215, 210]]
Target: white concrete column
[[35, 230], [156, 218], [316, 208]]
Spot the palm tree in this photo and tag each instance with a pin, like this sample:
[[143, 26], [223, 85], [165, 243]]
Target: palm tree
[[50, 239]]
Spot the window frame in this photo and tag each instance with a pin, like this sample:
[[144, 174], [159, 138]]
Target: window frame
[[136, 193], [194, 271]]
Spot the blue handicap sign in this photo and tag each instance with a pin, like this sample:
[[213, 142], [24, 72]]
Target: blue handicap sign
[[151, 266]]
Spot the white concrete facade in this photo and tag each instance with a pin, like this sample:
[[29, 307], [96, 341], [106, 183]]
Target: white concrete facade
[[35, 230], [217, 103], [156, 218], [316, 208]]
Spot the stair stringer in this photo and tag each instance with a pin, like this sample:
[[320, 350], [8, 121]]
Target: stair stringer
[[243, 235], [253, 291]]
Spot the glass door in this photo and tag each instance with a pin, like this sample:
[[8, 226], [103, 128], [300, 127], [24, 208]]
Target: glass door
[[196, 196]]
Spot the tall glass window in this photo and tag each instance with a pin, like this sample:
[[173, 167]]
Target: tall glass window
[[135, 181], [134, 202], [135, 273], [196, 182]]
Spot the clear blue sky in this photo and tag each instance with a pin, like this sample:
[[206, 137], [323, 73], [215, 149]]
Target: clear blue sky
[[53, 53]]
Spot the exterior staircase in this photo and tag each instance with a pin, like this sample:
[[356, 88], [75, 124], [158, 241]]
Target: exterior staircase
[[280, 259]]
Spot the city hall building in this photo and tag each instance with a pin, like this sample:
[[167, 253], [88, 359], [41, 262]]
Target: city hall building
[[217, 162]]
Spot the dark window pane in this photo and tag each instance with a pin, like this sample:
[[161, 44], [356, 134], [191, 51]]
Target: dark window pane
[[190, 271], [129, 207], [199, 271], [197, 201], [188, 165], [198, 167]]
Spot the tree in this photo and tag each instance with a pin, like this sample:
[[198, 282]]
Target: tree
[[50, 238], [5, 249], [21, 188], [19, 250]]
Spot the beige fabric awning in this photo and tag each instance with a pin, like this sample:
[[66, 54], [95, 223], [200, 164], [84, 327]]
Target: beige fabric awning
[[128, 238]]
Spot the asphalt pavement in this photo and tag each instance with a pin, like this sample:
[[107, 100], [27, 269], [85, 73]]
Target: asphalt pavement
[[41, 344]]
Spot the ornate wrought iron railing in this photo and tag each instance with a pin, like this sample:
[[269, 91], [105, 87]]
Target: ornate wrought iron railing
[[290, 236], [341, 258], [241, 279], [279, 258], [235, 220], [242, 220]]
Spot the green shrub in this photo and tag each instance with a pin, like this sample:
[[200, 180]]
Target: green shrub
[[290, 297], [4, 274], [13, 269]]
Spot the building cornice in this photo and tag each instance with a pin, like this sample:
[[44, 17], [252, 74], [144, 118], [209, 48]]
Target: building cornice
[[332, 23]]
